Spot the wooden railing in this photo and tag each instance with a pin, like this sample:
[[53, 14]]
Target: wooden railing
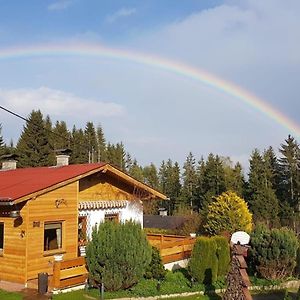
[[69, 272], [172, 247]]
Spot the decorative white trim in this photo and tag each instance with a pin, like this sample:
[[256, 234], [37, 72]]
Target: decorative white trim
[[88, 205]]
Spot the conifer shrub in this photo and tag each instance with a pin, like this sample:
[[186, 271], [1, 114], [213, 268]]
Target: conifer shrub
[[273, 252], [203, 264], [228, 212], [223, 254], [118, 254], [156, 269]]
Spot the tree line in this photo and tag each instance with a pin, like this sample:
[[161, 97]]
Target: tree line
[[271, 189]]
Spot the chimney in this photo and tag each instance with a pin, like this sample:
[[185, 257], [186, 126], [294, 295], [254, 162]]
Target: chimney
[[62, 160], [9, 165], [162, 211], [9, 161], [62, 157]]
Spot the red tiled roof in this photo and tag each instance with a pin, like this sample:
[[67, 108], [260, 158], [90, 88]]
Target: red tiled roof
[[18, 183]]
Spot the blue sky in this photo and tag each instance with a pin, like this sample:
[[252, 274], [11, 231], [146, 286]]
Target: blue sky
[[157, 114]]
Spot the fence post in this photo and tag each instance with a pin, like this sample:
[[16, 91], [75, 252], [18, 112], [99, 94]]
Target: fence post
[[161, 241], [56, 274]]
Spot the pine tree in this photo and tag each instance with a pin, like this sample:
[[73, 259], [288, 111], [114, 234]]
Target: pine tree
[[261, 195], [101, 145], [61, 136], [213, 180], [162, 177], [136, 171], [151, 176], [173, 185], [290, 172], [189, 181], [91, 142], [79, 150], [234, 179], [33, 146], [116, 155]]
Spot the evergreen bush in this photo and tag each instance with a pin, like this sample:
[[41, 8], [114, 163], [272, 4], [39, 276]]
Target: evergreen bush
[[273, 252], [118, 254], [223, 255], [203, 265], [156, 268], [228, 212]]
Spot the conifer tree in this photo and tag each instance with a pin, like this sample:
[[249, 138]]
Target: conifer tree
[[33, 146], [261, 195], [116, 155], [79, 150], [61, 136], [290, 172], [234, 179], [91, 142], [213, 180], [101, 145], [189, 181], [162, 177], [136, 171], [151, 176], [173, 185]]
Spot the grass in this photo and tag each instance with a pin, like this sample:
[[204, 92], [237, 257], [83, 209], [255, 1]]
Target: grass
[[10, 295]]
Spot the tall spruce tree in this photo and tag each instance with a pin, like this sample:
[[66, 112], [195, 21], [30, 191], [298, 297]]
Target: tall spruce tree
[[151, 176], [78, 147], [91, 142], [189, 180], [33, 146], [101, 145], [162, 177], [173, 185], [116, 155], [213, 180], [233, 175], [261, 194], [290, 172], [136, 171]]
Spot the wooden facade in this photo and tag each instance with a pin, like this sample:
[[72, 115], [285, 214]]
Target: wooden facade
[[24, 254]]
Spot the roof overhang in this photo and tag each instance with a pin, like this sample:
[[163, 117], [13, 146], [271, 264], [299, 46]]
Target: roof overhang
[[144, 192]]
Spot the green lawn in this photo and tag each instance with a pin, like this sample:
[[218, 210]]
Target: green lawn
[[10, 296], [81, 295]]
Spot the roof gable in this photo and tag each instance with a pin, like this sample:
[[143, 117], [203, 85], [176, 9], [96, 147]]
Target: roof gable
[[22, 184]]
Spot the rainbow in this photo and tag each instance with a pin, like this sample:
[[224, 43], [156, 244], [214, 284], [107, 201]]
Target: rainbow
[[181, 69]]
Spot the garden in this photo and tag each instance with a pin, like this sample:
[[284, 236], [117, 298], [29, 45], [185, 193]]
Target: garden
[[121, 260], [120, 257]]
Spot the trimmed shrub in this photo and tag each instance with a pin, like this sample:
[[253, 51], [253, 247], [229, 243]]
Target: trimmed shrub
[[156, 268], [118, 254], [273, 252], [203, 265], [223, 255]]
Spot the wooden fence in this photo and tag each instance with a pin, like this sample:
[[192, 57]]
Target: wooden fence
[[69, 272], [172, 247]]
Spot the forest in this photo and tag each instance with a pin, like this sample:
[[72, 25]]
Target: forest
[[271, 188]]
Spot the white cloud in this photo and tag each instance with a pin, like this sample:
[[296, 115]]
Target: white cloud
[[58, 104], [59, 5], [123, 12]]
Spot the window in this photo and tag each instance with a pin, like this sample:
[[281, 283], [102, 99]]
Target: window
[[52, 236], [112, 218], [1, 237]]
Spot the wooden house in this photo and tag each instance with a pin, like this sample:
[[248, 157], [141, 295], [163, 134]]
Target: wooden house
[[46, 211]]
